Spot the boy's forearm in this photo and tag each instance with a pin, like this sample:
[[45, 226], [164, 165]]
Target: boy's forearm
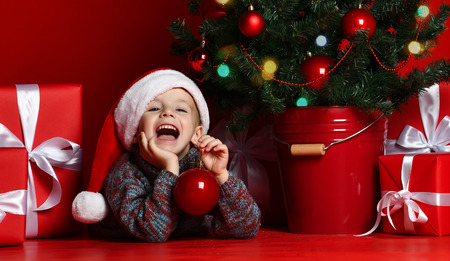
[[240, 216], [150, 217]]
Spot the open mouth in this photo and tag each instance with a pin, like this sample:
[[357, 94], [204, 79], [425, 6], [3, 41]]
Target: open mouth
[[167, 132]]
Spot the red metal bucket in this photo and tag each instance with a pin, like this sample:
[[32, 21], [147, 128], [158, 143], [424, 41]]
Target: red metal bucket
[[336, 192]]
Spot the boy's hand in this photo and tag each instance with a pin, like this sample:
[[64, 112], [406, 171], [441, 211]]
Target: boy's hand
[[157, 157], [214, 155]]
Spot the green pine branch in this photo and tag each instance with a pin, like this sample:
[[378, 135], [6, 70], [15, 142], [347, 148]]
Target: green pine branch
[[291, 28], [184, 39], [194, 7]]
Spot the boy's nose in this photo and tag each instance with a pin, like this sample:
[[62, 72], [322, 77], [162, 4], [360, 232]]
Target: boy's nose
[[167, 113]]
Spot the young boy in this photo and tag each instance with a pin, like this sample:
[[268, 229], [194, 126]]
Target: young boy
[[161, 120]]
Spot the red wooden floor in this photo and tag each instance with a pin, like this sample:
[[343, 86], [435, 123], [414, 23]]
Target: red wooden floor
[[270, 244]]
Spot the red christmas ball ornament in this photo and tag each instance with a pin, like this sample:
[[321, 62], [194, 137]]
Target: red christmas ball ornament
[[211, 9], [251, 23], [358, 19], [315, 67], [196, 191], [199, 58]]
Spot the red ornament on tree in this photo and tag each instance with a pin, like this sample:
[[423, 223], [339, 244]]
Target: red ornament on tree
[[315, 67], [196, 191], [211, 9], [358, 19], [198, 59], [251, 23]]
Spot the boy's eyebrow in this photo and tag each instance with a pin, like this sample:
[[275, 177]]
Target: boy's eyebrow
[[194, 106], [181, 100], [185, 101]]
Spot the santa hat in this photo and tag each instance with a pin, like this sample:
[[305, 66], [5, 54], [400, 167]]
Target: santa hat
[[119, 129]]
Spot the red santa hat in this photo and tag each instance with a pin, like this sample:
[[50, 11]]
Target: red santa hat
[[119, 129]]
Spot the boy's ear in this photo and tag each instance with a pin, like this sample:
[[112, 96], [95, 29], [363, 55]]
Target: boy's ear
[[197, 134]]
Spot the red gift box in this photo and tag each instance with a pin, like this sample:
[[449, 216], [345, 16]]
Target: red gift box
[[13, 185], [46, 119], [429, 188], [410, 113]]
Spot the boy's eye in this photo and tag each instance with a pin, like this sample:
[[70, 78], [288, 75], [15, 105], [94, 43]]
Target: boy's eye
[[181, 110], [153, 109]]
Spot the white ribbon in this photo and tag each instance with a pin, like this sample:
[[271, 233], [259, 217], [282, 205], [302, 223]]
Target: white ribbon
[[13, 202], [244, 155], [411, 142], [54, 152]]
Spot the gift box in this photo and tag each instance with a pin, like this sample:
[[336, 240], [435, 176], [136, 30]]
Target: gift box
[[253, 159], [13, 185], [46, 120], [416, 189], [410, 114]]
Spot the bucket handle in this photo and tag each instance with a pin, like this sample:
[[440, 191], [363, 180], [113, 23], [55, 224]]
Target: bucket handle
[[318, 149]]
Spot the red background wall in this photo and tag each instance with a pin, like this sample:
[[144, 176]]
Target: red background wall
[[101, 44]]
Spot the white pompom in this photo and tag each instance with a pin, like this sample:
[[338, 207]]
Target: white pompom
[[89, 207]]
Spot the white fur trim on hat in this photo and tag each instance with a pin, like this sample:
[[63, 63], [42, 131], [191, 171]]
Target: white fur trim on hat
[[89, 207], [133, 104]]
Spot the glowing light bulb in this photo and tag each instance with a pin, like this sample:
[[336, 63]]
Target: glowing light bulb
[[361, 21], [321, 40], [201, 185], [302, 102], [270, 66], [415, 47], [223, 70], [423, 11]]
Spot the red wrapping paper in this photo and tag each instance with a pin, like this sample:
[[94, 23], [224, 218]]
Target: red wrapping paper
[[429, 173], [60, 115], [13, 176]]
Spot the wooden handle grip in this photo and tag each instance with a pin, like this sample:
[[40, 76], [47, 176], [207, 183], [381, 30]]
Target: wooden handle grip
[[307, 149]]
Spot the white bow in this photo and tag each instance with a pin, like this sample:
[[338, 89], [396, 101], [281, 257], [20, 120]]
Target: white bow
[[244, 154], [411, 140]]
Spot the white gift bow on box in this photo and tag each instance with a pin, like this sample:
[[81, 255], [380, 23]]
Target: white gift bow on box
[[412, 141], [244, 155], [13, 202], [54, 152]]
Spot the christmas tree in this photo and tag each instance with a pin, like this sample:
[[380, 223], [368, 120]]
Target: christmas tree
[[258, 57]]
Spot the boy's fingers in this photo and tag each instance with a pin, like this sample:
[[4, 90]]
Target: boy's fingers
[[203, 137], [205, 141], [212, 144]]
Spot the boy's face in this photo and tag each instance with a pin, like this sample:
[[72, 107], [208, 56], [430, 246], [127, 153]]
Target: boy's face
[[172, 118]]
